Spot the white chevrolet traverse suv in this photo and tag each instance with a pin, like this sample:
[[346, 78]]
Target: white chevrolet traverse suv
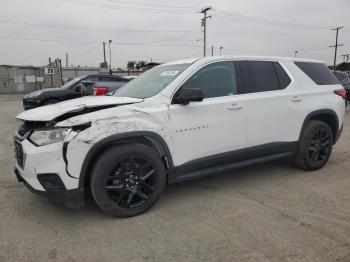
[[179, 121]]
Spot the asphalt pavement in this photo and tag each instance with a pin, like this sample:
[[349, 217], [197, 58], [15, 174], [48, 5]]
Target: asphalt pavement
[[269, 212]]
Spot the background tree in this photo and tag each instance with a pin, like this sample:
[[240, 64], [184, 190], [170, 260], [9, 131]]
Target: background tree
[[343, 67], [141, 64], [131, 64]]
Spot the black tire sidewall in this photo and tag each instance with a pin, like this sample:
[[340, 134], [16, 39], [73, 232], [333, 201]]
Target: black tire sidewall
[[306, 163], [105, 165]]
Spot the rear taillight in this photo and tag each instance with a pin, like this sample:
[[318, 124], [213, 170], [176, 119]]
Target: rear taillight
[[340, 92], [99, 91]]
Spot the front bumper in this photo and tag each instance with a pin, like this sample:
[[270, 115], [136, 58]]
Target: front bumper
[[33, 163], [73, 198]]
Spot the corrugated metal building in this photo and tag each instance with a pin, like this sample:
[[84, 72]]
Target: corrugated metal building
[[26, 79], [18, 79]]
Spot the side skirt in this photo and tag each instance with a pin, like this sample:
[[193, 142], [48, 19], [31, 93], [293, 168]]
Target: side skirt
[[232, 161]]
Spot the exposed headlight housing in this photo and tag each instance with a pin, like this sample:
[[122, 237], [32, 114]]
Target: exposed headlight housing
[[47, 137]]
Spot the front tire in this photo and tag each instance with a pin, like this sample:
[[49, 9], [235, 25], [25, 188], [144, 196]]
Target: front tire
[[127, 180], [315, 147]]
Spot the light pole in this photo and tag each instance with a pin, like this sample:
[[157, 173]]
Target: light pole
[[110, 57], [221, 48]]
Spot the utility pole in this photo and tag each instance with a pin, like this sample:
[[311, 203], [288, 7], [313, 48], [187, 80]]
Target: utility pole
[[212, 50], [347, 58], [204, 24], [51, 76], [104, 54], [336, 44], [67, 63], [110, 57], [60, 62], [344, 57]]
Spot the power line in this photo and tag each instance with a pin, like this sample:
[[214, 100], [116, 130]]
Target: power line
[[86, 51], [172, 38], [269, 22], [278, 51], [46, 40], [91, 29], [152, 5], [132, 9], [90, 42]]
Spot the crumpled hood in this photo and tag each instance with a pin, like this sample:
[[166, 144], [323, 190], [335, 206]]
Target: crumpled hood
[[50, 112]]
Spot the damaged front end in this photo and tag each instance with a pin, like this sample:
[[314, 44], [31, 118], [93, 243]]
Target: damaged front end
[[53, 141], [42, 147], [41, 161]]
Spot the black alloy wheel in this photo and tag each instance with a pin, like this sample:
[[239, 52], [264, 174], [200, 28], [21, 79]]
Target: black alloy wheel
[[320, 146], [127, 180], [315, 145], [132, 182]]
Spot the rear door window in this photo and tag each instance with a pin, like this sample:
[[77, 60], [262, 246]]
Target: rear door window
[[318, 72], [260, 76]]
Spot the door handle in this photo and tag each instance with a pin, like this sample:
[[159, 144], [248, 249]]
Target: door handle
[[296, 99], [234, 107]]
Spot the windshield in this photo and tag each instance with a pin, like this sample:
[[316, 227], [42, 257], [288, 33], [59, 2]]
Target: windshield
[[151, 82], [72, 82]]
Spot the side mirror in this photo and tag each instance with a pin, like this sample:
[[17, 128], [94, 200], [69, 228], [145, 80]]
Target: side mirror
[[186, 95]]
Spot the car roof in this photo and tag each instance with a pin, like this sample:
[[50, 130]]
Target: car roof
[[240, 57]]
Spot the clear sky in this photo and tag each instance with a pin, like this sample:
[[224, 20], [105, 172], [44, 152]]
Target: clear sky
[[31, 31]]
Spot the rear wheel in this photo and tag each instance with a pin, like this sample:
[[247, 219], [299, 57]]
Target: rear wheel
[[315, 146], [127, 180]]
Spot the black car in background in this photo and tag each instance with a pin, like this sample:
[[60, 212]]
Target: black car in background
[[70, 90], [344, 80], [103, 88]]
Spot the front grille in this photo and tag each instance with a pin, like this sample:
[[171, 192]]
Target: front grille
[[19, 154]]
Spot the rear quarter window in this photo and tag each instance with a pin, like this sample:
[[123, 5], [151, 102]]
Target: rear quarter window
[[283, 77], [318, 72]]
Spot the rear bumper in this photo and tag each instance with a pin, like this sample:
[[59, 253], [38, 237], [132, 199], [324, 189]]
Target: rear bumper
[[73, 198]]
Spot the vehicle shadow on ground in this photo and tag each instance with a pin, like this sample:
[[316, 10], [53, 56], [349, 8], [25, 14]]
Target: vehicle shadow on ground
[[180, 193]]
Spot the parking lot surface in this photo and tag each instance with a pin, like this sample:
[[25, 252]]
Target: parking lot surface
[[268, 212]]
